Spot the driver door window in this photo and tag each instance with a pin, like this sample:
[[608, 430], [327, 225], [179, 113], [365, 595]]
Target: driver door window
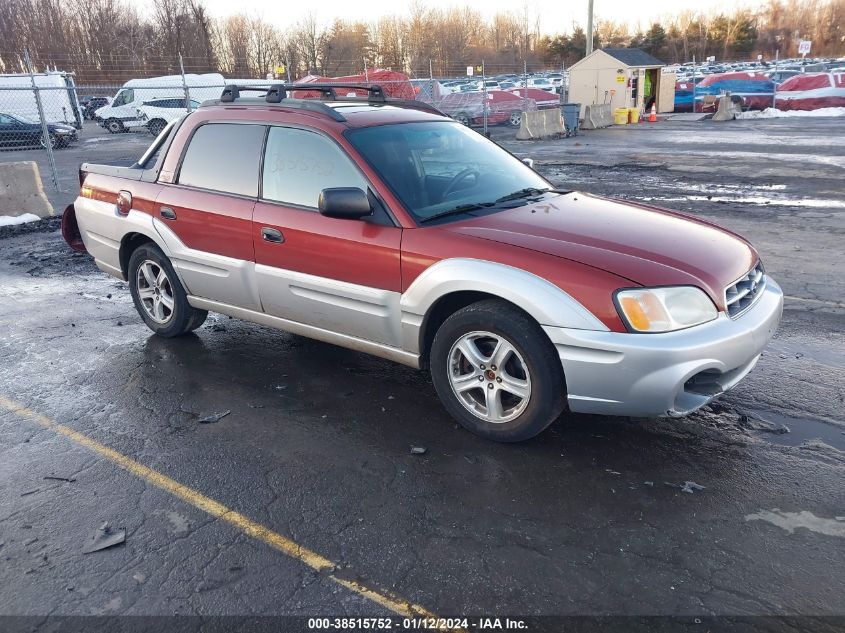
[[123, 97]]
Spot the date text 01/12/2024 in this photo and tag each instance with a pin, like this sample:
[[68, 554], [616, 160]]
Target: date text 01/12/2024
[[421, 623]]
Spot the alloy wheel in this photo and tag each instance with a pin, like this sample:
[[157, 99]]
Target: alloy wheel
[[155, 291], [489, 377]]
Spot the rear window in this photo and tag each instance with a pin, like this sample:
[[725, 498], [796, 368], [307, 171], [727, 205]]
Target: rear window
[[299, 164], [224, 157]]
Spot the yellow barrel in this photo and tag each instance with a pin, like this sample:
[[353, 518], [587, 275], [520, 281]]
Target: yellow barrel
[[633, 115], [620, 116]]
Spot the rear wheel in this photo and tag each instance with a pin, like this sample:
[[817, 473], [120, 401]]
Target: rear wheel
[[159, 296], [516, 118], [497, 373], [114, 126]]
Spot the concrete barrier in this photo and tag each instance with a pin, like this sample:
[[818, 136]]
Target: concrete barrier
[[21, 190], [728, 108], [540, 124], [596, 116]]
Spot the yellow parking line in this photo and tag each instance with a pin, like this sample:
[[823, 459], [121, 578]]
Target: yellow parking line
[[218, 510]]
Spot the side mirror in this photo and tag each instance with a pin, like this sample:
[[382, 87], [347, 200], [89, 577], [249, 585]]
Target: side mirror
[[348, 203], [529, 162]]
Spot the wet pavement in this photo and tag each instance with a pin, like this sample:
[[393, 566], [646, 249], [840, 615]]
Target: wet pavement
[[587, 519]]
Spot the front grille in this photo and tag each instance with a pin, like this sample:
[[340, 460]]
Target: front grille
[[745, 291]]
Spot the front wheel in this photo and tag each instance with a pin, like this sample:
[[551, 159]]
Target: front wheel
[[159, 296], [54, 141], [497, 373], [515, 118], [114, 126]]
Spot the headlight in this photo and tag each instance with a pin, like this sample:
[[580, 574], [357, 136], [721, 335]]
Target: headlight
[[664, 309]]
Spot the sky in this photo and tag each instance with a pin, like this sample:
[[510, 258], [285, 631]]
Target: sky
[[556, 16]]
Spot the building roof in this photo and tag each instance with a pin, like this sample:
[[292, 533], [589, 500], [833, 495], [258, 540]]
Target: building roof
[[633, 57]]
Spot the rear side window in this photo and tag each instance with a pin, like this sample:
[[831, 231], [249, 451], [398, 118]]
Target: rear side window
[[299, 164], [224, 157]]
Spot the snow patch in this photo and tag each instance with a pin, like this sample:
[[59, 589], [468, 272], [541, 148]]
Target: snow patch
[[12, 220], [773, 113], [791, 521]]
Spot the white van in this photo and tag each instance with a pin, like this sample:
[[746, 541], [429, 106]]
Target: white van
[[122, 113], [58, 97]]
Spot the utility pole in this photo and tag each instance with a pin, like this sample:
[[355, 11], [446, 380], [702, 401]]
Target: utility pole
[[589, 27]]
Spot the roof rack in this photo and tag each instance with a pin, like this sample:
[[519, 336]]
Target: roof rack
[[277, 93]]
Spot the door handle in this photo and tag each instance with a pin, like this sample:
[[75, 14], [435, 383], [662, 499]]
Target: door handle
[[167, 213], [272, 235]]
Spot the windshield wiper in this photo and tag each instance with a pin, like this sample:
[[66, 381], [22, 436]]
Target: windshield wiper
[[524, 193], [458, 210]]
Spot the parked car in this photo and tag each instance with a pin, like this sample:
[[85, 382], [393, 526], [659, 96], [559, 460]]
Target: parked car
[[389, 229], [59, 102], [92, 105], [21, 131], [779, 76], [156, 114], [489, 85], [541, 83], [121, 114], [502, 107]]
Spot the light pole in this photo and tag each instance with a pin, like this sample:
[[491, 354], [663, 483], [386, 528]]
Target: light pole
[[589, 27]]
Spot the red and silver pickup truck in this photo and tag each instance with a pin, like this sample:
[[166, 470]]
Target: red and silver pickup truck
[[390, 229]]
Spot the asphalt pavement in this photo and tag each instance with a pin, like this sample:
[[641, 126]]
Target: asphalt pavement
[[260, 473]]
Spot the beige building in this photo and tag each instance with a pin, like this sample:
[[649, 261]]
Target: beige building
[[624, 78]]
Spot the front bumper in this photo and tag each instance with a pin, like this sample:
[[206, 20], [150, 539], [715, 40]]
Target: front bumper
[[675, 373]]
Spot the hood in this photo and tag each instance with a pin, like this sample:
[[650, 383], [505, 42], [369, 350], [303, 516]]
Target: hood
[[647, 245], [60, 127]]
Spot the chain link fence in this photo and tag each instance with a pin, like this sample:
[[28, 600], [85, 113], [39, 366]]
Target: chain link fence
[[49, 111]]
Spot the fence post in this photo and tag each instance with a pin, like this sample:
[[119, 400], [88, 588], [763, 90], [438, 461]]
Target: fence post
[[484, 88], [45, 131], [694, 84], [185, 85], [524, 86], [775, 87], [431, 84]]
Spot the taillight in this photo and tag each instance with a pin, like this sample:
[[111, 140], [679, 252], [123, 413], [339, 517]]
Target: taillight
[[124, 202], [82, 175]]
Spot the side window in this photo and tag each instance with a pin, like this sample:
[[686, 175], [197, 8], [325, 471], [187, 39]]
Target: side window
[[224, 157], [127, 95], [298, 164]]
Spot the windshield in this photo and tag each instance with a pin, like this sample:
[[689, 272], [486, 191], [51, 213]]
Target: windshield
[[437, 167]]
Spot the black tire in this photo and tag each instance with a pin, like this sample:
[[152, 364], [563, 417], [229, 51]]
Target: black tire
[[182, 318], [54, 141], [462, 118], [515, 118], [156, 126], [114, 126], [547, 398]]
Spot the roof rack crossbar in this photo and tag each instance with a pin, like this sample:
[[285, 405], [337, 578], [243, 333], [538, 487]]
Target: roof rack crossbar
[[281, 92], [233, 92]]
